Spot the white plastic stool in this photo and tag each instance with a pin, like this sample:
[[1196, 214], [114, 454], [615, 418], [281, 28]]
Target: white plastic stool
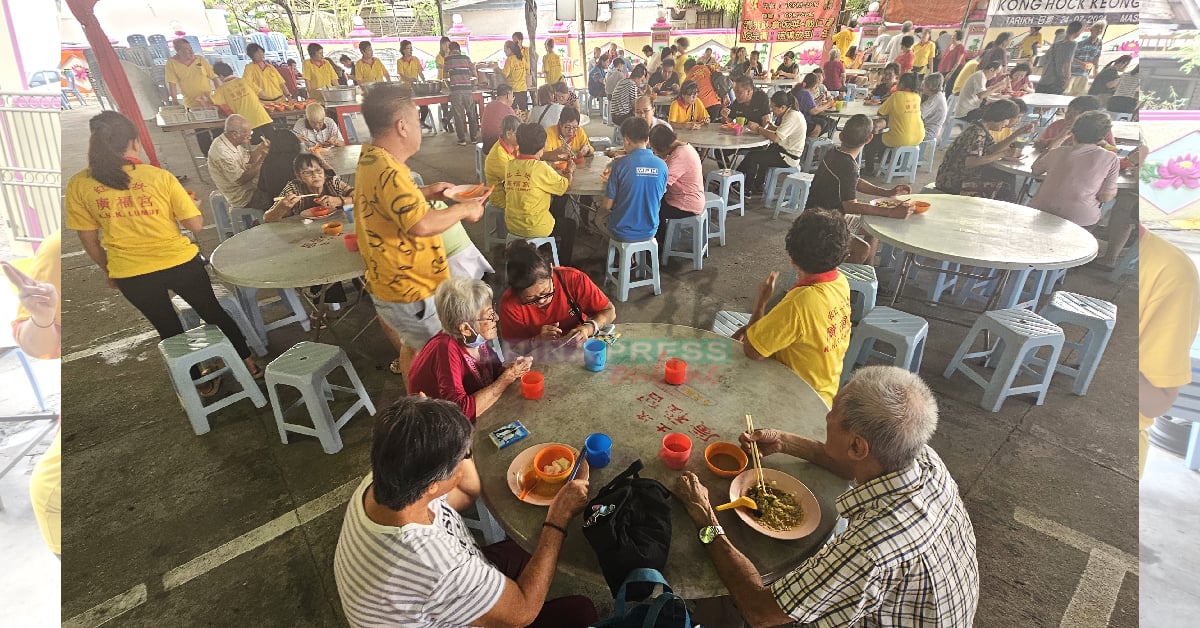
[[289, 300], [486, 524], [220, 210], [863, 283], [727, 323], [306, 367], [620, 271], [242, 218], [773, 180], [479, 156], [193, 348], [698, 225], [928, 150], [814, 151], [725, 180], [794, 195], [536, 242], [900, 161], [494, 230], [715, 207], [1127, 264], [1096, 316], [905, 332], [1019, 334], [951, 124], [605, 111], [233, 307]]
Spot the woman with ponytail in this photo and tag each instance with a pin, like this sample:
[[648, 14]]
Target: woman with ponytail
[[786, 132], [516, 72], [142, 253]]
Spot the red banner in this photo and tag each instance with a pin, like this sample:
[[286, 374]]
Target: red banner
[[787, 20]]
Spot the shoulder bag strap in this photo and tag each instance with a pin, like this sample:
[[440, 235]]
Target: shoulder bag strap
[[543, 116], [570, 299], [632, 471]]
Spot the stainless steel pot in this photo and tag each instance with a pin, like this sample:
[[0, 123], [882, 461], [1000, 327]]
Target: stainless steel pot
[[426, 88], [337, 95]]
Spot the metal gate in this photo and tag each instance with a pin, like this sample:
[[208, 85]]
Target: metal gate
[[30, 163]]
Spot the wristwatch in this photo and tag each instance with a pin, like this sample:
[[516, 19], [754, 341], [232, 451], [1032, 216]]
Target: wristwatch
[[708, 534]]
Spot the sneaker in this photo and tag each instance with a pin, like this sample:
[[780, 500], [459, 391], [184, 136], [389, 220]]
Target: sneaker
[[462, 142]]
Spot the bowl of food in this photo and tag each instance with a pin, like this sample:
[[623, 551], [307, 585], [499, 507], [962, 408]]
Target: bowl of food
[[788, 510], [553, 463], [725, 460], [332, 228], [920, 207]]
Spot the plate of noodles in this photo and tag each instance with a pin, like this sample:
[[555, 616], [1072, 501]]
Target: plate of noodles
[[789, 510]]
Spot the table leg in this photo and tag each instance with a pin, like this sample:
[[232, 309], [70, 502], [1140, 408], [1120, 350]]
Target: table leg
[[904, 268], [191, 142]]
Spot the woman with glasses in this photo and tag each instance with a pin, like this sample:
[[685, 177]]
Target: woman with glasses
[[556, 304], [457, 364], [311, 187], [687, 108]]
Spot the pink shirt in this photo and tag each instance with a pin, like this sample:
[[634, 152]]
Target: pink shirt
[[444, 370], [685, 180], [1075, 176]]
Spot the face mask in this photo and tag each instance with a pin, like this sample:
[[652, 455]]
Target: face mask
[[479, 340]]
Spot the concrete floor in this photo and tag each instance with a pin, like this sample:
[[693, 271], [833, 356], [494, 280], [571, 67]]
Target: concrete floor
[[233, 528]]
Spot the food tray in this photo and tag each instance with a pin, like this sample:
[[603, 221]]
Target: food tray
[[204, 114], [176, 114]]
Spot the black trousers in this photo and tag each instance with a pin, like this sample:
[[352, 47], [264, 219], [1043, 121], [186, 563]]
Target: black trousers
[[564, 229], [150, 294], [521, 100], [756, 164], [665, 213], [714, 112]]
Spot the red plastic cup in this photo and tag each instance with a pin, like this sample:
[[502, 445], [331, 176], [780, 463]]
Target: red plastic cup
[[351, 241], [533, 385], [676, 371], [675, 451]]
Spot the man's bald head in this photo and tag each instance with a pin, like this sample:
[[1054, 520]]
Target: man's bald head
[[237, 130], [236, 122], [385, 105]]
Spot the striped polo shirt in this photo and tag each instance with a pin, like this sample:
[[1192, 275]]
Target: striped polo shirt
[[432, 576]]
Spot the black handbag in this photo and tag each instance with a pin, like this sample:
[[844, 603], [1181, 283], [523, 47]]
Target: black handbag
[[628, 525]]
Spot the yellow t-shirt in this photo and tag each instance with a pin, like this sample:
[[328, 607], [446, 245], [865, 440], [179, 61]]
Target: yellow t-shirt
[[967, 70], [494, 169], [1031, 40], [409, 70], [679, 113], [440, 62], [554, 139], [516, 71], [528, 184], [194, 80], [401, 268], [1168, 315], [809, 332], [903, 111], [242, 99], [843, 40], [266, 80], [923, 53], [1001, 135], [45, 491], [317, 77], [46, 267], [552, 65], [374, 71], [140, 225]]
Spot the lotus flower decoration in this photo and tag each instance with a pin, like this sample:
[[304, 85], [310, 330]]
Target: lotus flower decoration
[[1179, 172], [812, 56]]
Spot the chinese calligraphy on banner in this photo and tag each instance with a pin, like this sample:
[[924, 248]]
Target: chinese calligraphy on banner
[[787, 20]]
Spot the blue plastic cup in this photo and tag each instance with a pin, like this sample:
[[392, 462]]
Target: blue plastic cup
[[595, 355], [598, 450], [349, 209]]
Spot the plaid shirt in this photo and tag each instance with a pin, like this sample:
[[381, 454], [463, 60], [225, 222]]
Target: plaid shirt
[[907, 558]]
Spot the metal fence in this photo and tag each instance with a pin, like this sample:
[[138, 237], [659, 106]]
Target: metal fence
[[30, 163]]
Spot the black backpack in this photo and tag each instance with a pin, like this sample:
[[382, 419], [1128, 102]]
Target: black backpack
[[628, 525], [721, 84]]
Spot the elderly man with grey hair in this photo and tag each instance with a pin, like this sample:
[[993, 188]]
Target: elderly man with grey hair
[[405, 557], [233, 165], [934, 108], [893, 44], [907, 557], [458, 364]]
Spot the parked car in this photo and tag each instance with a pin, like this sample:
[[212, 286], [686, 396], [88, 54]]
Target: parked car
[[45, 81]]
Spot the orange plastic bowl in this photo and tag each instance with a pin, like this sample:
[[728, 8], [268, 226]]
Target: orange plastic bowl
[[920, 207], [332, 228], [549, 454], [725, 449]]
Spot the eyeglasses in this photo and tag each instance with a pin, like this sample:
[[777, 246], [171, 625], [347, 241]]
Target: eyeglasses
[[493, 316], [311, 173], [570, 128], [539, 299]]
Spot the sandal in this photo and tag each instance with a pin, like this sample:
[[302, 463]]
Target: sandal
[[394, 367], [258, 373], [317, 322], [209, 389]]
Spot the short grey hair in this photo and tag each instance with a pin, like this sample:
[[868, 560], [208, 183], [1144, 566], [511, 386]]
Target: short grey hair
[[834, 53], [233, 120], [934, 82], [906, 26], [894, 410], [459, 300], [509, 125]]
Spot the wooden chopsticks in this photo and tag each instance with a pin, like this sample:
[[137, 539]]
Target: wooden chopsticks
[[762, 484]]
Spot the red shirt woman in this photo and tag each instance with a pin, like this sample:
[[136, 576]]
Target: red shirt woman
[[549, 303]]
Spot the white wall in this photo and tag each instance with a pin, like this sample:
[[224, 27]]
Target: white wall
[[31, 21], [121, 18]]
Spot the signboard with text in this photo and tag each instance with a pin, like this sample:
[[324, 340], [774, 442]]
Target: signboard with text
[[787, 20], [1025, 13]]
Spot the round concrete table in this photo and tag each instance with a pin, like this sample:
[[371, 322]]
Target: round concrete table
[[778, 84], [1057, 101], [985, 233], [853, 108], [343, 159], [586, 180], [713, 136], [1023, 169], [292, 253], [630, 402], [1126, 132]]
